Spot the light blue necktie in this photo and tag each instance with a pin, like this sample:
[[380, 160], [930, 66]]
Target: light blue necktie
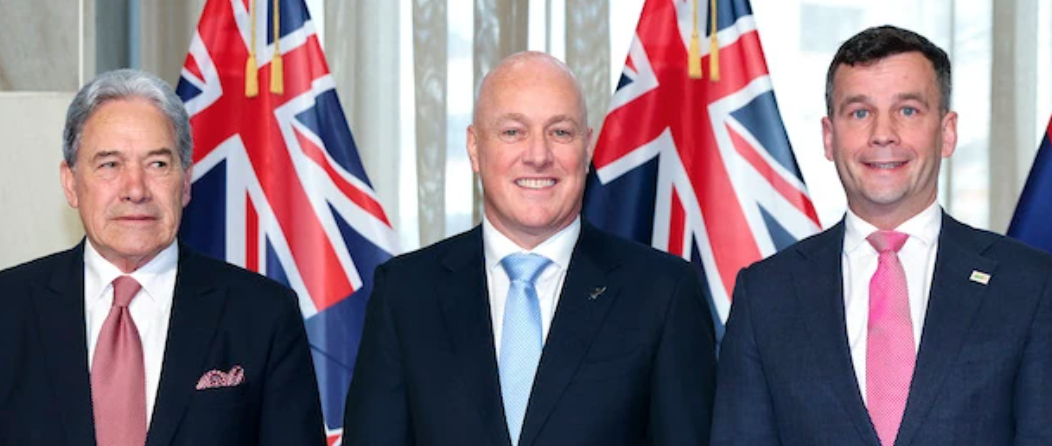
[[521, 342]]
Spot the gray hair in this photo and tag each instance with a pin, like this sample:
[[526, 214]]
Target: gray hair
[[126, 84]]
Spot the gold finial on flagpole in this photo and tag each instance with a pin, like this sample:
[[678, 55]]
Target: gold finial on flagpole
[[694, 53], [714, 46], [251, 74], [277, 67]]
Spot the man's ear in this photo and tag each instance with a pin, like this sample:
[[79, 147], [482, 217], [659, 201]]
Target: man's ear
[[473, 147], [188, 176], [949, 134], [69, 183], [827, 137], [590, 144]]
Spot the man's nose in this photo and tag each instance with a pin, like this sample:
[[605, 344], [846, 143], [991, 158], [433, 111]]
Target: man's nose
[[133, 184]]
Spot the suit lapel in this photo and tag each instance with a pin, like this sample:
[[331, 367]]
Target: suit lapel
[[821, 298], [952, 304], [60, 311], [196, 309], [576, 323], [465, 308]]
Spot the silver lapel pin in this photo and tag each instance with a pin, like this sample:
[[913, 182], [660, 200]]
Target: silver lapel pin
[[596, 292]]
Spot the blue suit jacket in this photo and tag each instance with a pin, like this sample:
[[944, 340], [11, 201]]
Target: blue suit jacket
[[984, 367], [222, 316], [632, 366]]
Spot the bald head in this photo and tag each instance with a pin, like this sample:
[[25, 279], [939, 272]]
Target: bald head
[[527, 67]]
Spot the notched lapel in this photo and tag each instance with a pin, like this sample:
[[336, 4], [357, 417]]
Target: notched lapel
[[577, 321], [465, 308], [952, 305], [196, 309], [60, 311], [821, 299]]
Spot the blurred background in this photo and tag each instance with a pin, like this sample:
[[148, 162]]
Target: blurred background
[[405, 71]]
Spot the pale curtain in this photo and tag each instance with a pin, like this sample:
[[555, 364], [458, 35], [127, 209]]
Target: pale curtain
[[391, 63]]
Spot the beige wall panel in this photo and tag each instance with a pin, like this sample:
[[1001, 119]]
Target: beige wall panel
[[35, 217], [38, 45]]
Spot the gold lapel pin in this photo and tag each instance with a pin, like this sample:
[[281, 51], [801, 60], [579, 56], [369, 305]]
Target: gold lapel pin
[[979, 277]]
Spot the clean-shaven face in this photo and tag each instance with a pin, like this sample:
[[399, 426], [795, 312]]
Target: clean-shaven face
[[887, 137], [530, 146], [127, 182]]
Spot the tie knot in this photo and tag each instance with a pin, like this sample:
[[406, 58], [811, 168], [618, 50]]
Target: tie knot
[[524, 267], [124, 290], [887, 241]]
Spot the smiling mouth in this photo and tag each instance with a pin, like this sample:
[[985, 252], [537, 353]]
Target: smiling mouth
[[886, 166], [535, 183]]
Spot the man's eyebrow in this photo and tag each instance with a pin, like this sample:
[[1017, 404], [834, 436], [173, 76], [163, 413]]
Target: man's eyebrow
[[162, 151], [854, 99], [912, 96], [508, 117], [562, 118], [106, 154]]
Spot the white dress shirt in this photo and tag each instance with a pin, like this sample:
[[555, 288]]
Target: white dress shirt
[[150, 309], [859, 263], [558, 248]]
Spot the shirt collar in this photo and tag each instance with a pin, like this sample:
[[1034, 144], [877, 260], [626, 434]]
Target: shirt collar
[[157, 277], [923, 227], [557, 248]]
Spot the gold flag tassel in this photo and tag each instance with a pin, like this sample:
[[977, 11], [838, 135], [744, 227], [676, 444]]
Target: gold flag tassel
[[277, 68], [694, 53], [714, 46], [251, 75]]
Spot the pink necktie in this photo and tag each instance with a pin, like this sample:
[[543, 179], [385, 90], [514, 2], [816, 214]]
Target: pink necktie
[[118, 381], [890, 351]]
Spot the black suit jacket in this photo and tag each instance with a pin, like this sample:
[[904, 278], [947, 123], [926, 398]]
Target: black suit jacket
[[628, 359], [222, 316], [983, 374]]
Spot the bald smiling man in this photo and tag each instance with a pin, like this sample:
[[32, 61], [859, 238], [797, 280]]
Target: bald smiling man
[[533, 328]]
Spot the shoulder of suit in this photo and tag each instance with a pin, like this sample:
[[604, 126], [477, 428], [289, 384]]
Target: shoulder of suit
[[1008, 250], [220, 272], [434, 253], [35, 268], [630, 252], [831, 238]]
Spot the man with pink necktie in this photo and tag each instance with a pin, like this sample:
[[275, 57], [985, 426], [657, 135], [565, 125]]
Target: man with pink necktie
[[129, 338], [899, 325]]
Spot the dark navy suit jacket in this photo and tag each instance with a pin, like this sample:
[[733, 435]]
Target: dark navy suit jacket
[[632, 366], [222, 316], [983, 375]]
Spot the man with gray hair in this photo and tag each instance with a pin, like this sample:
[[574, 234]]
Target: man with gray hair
[[130, 338]]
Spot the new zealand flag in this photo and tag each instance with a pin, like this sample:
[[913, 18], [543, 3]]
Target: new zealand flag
[[278, 186], [1032, 223], [699, 165]]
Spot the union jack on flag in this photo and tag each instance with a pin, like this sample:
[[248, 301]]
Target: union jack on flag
[[278, 186], [701, 168]]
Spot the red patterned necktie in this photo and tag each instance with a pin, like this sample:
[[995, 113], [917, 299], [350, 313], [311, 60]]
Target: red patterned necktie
[[890, 350], [118, 379]]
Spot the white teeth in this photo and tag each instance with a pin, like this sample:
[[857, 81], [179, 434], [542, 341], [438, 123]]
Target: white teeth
[[535, 183], [886, 165]]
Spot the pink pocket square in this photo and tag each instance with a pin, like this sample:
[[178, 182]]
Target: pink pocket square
[[215, 379]]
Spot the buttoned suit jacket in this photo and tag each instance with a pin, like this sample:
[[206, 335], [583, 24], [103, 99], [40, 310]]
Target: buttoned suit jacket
[[628, 360], [983, 373], [222, 316]]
